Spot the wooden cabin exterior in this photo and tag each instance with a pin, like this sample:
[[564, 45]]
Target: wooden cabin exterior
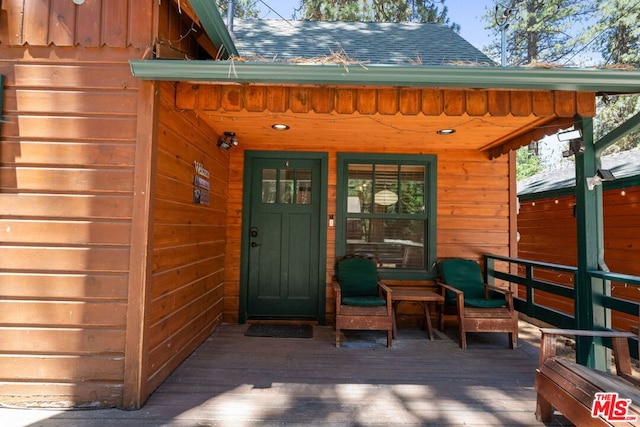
[[114, 268], [547, 228]]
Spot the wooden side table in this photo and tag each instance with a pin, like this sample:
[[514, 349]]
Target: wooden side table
[[421, 295]]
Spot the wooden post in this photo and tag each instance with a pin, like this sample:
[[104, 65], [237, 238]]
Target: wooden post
[[589, 314]]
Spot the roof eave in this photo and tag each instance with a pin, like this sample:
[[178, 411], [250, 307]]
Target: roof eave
[[571, 79], [214, 26]]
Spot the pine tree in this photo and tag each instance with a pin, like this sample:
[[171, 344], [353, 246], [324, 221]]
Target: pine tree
[[241, 8], [538, 31], [434, 11], [617, 37]]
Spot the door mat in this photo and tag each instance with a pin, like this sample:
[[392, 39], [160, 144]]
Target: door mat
[[279, 331]]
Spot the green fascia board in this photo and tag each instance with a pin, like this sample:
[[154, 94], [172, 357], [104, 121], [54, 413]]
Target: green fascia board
[[214, 26], [589, 80]]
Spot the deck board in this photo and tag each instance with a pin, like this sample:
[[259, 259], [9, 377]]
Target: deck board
[[234, 380]]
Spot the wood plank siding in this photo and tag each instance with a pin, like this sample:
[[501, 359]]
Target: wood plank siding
[[473, 206], [66, 190], [547, 230], [188, 255], [75, 164]]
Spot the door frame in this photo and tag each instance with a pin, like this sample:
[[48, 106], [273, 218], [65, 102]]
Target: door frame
[[249, 156]]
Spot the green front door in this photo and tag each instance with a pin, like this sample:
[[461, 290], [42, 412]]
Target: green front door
[[283, 238]]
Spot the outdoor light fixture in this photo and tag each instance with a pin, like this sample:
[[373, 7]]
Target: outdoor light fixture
[[279, 126], [600, 176], [576, 144], [446, 131], [78, 1], [228, 140]]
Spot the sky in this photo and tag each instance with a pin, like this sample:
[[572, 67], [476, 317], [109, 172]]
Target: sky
[[466, 13]]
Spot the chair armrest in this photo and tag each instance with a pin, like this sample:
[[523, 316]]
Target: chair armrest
[[459, 296], [508, 294], [619, 340], [449, 288], [498, 289], [337, 294], [386, 290]]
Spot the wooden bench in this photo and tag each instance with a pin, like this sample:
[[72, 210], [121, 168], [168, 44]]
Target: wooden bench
[[571, 388]]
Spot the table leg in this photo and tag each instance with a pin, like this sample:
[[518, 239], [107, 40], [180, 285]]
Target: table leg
[[427, 319]]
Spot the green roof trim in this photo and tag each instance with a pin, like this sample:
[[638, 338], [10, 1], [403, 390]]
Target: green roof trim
[[570, 79], [214, 26]]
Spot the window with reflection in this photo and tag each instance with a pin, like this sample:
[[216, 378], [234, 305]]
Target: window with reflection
[[388, 205], [286, 186]]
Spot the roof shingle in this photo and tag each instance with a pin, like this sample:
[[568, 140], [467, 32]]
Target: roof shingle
[[365, 42]]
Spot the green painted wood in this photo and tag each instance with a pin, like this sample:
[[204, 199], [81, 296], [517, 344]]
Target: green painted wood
[[283, 261], [385, 75], [430, 163], [589, 312]]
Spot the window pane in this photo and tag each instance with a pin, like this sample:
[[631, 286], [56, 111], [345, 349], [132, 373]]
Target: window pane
[[303, 179], [287, 189], [386, 192], [269, 186], [359, 188], [397, 243], [412, 195]]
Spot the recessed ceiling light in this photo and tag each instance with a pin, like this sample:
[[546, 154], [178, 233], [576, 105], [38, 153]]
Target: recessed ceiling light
[[279, 126], [446, 131]]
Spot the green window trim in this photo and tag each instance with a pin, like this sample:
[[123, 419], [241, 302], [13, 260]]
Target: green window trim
[[428, 216]]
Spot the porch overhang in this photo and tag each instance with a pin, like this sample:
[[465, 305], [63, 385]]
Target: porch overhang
[[600, 81]]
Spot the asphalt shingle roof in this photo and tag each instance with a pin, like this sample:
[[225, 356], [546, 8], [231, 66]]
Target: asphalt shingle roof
[[624, 164], [366, 42]]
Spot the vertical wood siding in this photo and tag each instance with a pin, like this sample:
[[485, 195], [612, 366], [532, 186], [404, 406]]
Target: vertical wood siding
[[186, 300], [548, 234], [66, 170], [473, 206], [96, 23]]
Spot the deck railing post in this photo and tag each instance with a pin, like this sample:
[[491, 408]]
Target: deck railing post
[[589, 312]]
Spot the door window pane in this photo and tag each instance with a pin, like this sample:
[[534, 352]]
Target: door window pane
[[287, 188], [269, 186], [303, 185]]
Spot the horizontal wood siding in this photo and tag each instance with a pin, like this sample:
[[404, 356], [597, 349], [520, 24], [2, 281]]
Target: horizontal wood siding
[[66, 174], [188, 256], [473, 205], [548, 234]]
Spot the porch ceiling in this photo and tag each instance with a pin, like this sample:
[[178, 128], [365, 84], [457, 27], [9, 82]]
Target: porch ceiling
[[493, 122]]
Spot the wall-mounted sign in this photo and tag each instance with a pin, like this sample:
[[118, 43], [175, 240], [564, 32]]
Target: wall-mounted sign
[[200, 169], [201, 185]]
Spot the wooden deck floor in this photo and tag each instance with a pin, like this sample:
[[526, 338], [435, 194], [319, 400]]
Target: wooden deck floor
[[234, 380]]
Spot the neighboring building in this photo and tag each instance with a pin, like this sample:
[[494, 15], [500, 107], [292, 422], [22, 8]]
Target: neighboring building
[[547, 224], [129, 234]]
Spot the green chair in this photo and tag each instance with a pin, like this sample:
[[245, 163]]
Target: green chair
[[477, 306], [362, 302]]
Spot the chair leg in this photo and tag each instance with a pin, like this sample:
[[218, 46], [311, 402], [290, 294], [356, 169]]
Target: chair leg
[[337, 337], [544, 410], [513, 340], [463, 339], [389, 338]]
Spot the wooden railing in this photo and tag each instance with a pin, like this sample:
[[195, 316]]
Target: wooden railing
[[539, 283]]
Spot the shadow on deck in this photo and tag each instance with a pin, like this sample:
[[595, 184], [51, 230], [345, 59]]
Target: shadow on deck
[[234, 380]]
